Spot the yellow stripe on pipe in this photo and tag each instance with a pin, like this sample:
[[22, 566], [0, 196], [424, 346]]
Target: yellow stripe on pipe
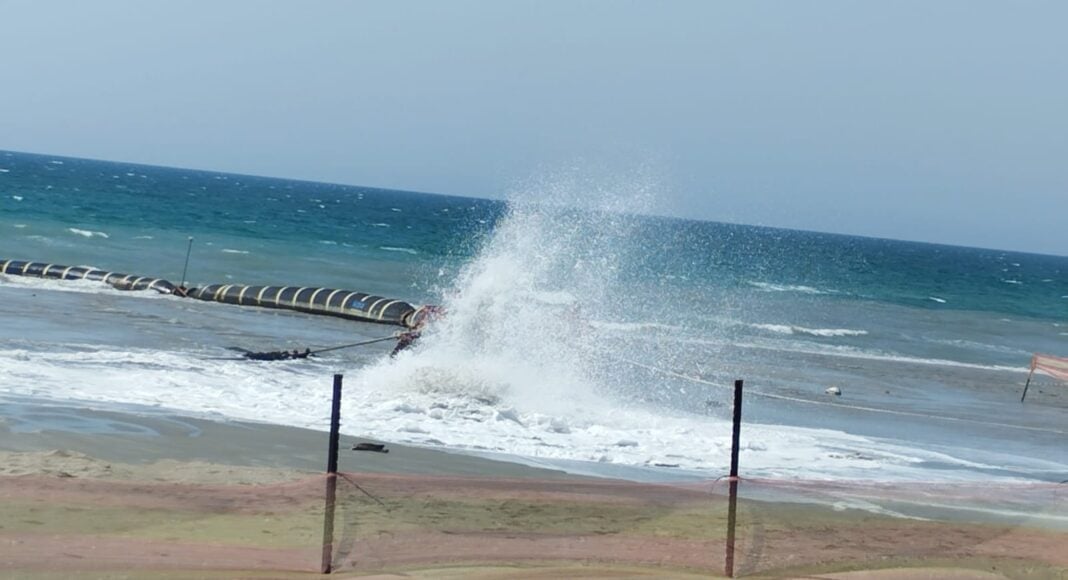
[[3, 269], [311, 301], [44, 273], [386, 307], [241, 295], [220, 291], [330, 298], [296, 295], [66, 271], [259, 295], [371, 310], [346, 301]]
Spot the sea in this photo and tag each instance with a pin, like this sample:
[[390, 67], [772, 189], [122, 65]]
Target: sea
[[582, 331]]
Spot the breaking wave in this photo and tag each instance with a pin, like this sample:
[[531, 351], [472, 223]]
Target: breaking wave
[[825, 332]]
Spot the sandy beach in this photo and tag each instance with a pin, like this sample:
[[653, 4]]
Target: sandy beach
[[106, 494]]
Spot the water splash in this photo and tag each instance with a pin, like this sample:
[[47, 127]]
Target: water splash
[[518, 329]]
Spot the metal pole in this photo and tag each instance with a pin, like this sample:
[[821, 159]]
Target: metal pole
[[1028, 383], [185, 268], [732, 509], [331, 479]]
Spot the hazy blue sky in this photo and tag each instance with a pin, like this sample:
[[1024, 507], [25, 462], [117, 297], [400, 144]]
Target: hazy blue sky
[[932, 120]]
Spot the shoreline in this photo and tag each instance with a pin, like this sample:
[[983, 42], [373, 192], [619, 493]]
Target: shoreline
[[140, 439]]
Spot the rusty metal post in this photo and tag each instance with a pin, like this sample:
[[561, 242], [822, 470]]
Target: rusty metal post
[[331, 479]]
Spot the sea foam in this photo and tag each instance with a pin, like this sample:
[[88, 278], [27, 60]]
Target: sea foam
[[87, 233]]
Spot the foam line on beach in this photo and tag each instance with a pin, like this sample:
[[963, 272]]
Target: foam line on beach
[[602, 439]]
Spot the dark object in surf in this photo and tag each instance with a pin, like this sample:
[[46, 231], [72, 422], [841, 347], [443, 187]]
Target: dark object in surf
[[376, 447], [416, 323], [404, 341], [326, 301], [277, 355]]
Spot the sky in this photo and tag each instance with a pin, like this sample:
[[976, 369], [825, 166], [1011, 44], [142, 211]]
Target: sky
[[937, 121]]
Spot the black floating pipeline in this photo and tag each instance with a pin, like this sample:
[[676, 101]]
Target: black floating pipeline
[[327, 301], [114, 279]]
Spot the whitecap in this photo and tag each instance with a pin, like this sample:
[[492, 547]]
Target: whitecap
[[20, 226], [233, 251], [1012, 281], [396, 209], [56, 162], [328, 242], [87, 233], [395, 249], [822, 332], [2, 170], [16, 197], [937, 299], [143, 237], [801, 289], [380, 225]]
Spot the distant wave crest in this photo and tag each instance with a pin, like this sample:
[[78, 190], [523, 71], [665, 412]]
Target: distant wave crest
[[798, 288], [87, 233], [396, 249], [826, 332]]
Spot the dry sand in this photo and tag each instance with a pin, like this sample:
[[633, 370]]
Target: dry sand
[[188, 498]]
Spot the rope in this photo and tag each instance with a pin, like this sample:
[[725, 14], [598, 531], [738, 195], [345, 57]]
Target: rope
[[361, 343], [842, 405]]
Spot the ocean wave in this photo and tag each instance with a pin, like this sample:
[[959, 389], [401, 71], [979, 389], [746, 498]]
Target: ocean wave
[[937, 299], [823, 332], [876, 355], [973, 345], [396, 249], [16, 197], [232, 251], [5, 170], [800, 289], [88, 233]]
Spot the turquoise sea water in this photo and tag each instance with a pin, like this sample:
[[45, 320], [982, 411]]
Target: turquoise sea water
[[608, 309]]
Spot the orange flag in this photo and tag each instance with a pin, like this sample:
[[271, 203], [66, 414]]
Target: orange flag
[[1056, 367]]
